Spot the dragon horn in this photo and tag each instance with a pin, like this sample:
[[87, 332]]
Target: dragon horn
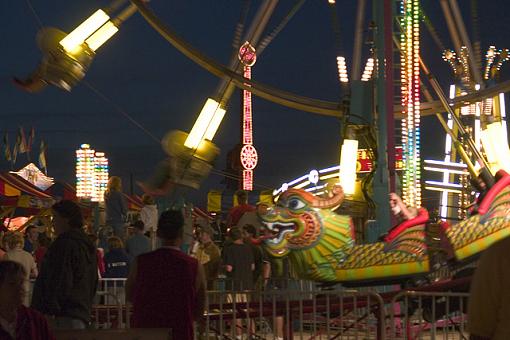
[[333, 201]]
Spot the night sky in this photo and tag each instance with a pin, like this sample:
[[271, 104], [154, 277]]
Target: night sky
[[139, 72]]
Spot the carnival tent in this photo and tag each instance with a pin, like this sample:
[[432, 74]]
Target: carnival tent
[[18, 197]]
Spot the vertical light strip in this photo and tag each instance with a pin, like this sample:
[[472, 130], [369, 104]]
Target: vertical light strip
[[502, 112], [410, 77], [248, 156], [447, 158], [342, 69], [247, 130]]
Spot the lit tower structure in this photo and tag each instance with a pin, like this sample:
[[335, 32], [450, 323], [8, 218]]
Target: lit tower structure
[[410, 89], [91, 173], [85, 171], [100, 176], [456, 191], [248, 154]]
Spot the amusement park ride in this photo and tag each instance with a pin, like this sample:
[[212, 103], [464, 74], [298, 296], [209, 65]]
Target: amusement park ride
[[303, 225]]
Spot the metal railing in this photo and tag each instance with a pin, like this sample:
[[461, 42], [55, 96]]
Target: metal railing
[[428, 315], [294, 314], [294, 309]]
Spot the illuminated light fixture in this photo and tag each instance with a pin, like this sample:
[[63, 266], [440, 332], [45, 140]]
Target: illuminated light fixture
[[369, 68], [248, 157], [342, 69], [73, 40], [206, 125], [458, 172], [443, 187], [91, 174], [331, 168], [452, 165], [214, 124], [410, 100], [502, 112], [496, 147], [101, 35], [333, 175], [348, 159], [313, 177], [315, 188], [302, 185]]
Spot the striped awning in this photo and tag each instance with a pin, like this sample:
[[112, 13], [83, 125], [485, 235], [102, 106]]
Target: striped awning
[[221, 201], [14, 185]]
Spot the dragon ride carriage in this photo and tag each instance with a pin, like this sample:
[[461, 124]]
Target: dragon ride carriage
[[321, 245]]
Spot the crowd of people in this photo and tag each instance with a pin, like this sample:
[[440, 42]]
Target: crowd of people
[[166, 282]]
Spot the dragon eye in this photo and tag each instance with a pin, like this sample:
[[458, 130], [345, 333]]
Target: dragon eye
[[295, 204]]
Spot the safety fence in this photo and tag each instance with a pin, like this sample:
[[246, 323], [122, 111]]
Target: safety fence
[[305, 310], [428, 315]]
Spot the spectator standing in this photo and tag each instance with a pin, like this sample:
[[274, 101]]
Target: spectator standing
[[116, 260], [239, 265], [149, 217], [235, 214], [117, 267], [31, 238], [138, 243], [16, 320], [238, 261], [208, 254], [166, 286], [67, 283], [262, 267], [14, 243], [116, 206]]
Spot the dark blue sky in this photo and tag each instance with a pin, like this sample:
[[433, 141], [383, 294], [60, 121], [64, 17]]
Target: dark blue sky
[[163, 90]]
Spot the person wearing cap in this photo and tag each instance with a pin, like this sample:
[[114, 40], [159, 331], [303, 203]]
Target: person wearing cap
[[138, 243], [167, 286], [208, 254]]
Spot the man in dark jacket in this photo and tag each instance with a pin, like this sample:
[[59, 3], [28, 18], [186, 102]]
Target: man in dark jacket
[[67, 283]]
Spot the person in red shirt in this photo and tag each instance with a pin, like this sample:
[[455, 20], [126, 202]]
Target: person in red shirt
[[166, 286], [235, 214], [18, 322]]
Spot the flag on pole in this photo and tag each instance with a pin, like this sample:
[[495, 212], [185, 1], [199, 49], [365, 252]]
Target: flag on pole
[[15, 149], [7, 148], [31, 138], [23, 148], [42, 156]]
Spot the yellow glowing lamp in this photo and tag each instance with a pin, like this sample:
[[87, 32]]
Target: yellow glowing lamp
[[496, 148], [348, 159], [75, 39], [101, 35], [206, 125]]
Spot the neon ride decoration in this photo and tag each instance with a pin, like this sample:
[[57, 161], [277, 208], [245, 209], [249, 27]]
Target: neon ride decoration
[[248, 155]]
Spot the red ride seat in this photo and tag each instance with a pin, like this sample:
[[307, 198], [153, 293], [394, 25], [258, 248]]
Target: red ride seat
[[421, 218], [503, 180]]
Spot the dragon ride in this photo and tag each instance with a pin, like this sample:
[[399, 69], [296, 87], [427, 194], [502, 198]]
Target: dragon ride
[[321, 245]]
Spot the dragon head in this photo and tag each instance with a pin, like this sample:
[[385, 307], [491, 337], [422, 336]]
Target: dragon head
[[295, 222]]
